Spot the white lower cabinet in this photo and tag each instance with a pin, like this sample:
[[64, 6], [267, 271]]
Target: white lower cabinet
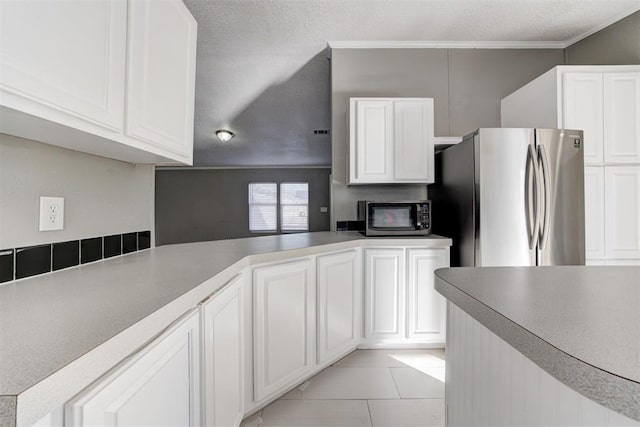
[[402, 307], [283, 325], [222, 331], [160, 385], [622, 212], [384, 294], [253, 340], [339, 304], [426, 308]]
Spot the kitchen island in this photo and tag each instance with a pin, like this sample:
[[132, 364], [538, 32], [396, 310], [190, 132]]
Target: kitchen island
[[542, 345], [61, 332]]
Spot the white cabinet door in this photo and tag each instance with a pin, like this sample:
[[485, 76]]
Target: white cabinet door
[[413, 140], [339, 304], [371, 148], [622, 212], [594, 211], [426, 307], [161, 75], [583, 109], [384, 294], [622, 117], [158, 386], [64, 58], [222, 319], [284, 325]]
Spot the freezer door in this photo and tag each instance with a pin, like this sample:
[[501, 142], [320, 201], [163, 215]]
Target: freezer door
[[505, 202], [561, 237]]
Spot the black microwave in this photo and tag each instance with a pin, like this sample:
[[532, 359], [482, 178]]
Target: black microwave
[[406, 218]]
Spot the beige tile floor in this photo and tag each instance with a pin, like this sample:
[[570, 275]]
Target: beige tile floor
[[389, 388]]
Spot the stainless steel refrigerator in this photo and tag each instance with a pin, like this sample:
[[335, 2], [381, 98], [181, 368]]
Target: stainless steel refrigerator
[[512, 197]]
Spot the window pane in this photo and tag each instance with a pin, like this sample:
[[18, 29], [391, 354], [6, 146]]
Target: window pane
[[295, 217], [262, 218], [263, 192], [263, 206], [294, 206], [294, 193]]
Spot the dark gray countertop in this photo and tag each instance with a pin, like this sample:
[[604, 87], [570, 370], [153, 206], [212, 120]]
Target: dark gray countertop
[[51, 320], [580, 324]]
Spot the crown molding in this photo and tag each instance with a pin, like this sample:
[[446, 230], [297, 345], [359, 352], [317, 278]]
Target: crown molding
[[446, 44], [417, 44]]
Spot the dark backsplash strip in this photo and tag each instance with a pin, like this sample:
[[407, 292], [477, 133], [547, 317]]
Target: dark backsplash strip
[[30, 261], [350, 225], [33, 260]]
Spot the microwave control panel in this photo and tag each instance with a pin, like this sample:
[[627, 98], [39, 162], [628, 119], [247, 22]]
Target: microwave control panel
[[424, 216]]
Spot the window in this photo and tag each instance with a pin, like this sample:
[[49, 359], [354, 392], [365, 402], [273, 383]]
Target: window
[[290, 212], [294, 206], [263, 206]]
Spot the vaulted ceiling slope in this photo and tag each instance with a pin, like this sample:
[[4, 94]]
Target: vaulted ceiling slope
[[256, 56]]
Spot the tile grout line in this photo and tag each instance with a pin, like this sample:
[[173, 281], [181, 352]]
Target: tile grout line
[[369, 411], [395, 383]]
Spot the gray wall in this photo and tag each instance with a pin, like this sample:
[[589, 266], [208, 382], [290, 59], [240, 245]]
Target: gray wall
[[102, 196], [617, 44], [212, 204], [466, 84]]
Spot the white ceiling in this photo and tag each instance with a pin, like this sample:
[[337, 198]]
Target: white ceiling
[[248, 46]]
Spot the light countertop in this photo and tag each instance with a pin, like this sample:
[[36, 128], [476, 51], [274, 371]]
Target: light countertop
[[580, 324], [52, 320]]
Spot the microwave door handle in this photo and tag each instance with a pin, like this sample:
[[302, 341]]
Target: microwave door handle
[[544, 233], [532, 160]]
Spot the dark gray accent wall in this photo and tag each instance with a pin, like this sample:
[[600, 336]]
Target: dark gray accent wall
[[466, 84], [275, 128], [617, 44], [212, 204]]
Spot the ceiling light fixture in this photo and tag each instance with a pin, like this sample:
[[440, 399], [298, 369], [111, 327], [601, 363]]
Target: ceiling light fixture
[[224, 135]]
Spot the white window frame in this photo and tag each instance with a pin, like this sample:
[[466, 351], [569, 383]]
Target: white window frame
[[279, 229]]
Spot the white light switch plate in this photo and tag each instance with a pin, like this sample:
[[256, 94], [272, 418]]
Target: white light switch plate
[[51, 213]]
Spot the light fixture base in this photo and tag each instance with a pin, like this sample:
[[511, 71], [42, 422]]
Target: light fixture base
[[224, 135]]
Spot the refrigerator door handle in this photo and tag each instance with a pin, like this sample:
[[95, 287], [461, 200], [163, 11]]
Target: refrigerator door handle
[[531, 156], [544, 235]]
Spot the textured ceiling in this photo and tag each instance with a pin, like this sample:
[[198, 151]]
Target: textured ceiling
[[249, 48]]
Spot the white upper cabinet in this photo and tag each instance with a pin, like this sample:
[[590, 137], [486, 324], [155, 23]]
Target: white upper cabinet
[[65, 58], [161, 75], [583, 103], [113, 78], [391, 140], [601, 100], [372, 141], [413, 128], [622, 117]]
